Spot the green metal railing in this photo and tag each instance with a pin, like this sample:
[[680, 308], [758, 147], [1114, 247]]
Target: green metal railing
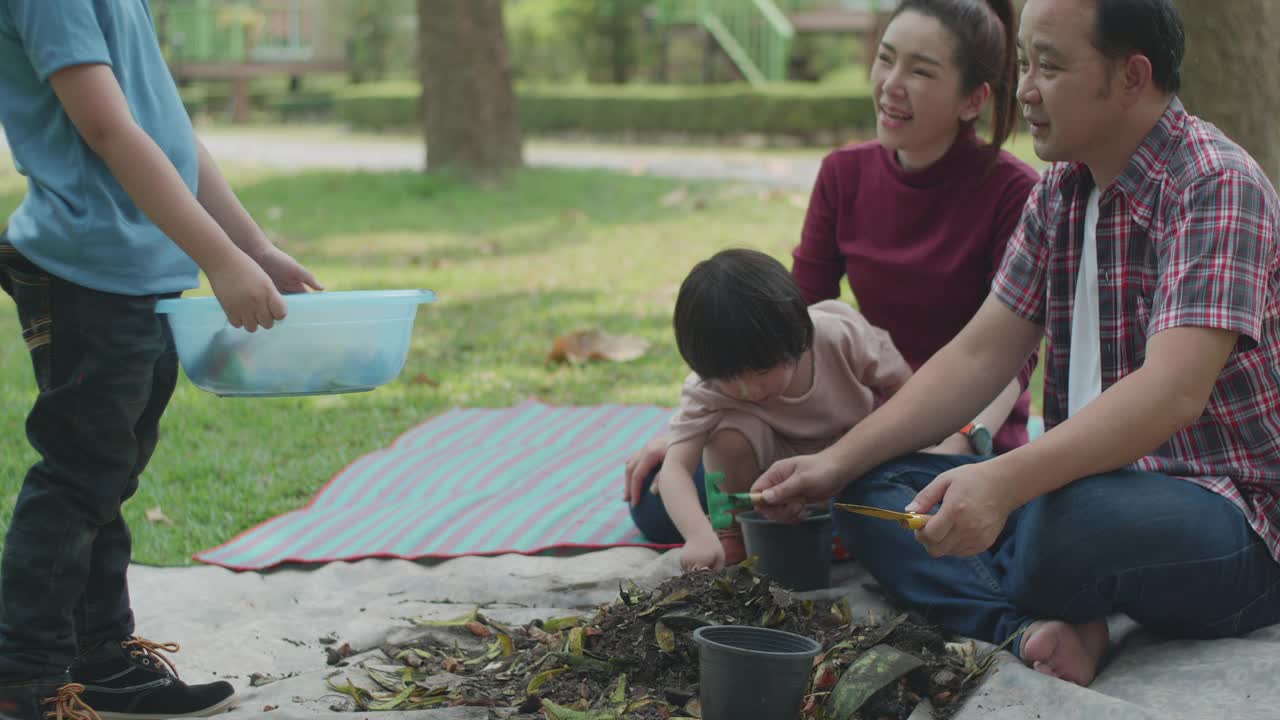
[[755, 34]]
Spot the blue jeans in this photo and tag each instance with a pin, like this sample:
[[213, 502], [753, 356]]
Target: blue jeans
[[105, 367], [1179, 559], [650, 515]]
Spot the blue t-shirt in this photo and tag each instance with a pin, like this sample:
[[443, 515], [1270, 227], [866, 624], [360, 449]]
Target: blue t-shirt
[[77, 222]]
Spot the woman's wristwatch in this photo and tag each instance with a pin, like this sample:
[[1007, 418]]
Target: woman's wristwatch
[[979, 438]]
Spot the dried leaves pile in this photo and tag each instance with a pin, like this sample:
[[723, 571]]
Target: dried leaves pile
[[636, 658]]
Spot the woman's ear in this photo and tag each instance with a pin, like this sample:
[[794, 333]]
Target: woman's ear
[[973, 104]]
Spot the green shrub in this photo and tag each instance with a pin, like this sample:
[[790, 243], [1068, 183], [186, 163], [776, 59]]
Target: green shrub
[[380, 106], [789, 110], [302, 105]]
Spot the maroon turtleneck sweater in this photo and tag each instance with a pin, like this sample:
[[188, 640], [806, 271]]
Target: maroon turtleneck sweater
[[919, 247]]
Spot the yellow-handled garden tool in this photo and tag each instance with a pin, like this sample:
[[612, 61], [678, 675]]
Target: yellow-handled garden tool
[[910, 521]]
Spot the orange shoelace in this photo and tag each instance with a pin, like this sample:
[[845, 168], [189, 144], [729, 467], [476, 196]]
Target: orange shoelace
[[68, 705], [142, 647]]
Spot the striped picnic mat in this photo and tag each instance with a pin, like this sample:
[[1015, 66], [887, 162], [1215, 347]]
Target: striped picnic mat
[[468, 482]]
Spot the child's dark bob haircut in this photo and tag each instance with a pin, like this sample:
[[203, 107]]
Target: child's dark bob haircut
[[738, 312]]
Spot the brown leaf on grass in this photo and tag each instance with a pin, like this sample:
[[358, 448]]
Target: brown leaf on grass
[[478, 629], [596, 344], [423, 379], [156, 516]]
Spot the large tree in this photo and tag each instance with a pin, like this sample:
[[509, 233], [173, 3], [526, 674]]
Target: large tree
[[1232, 72], [469, 106]]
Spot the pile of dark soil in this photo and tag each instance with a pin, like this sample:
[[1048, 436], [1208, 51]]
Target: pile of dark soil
[[636, 658]]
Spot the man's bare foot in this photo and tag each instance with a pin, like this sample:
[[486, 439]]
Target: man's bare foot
[[1062, 650]]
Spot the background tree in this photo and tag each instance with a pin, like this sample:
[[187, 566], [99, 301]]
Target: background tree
[[1231, 76], [611, 35], [371, 42], [469, 113]]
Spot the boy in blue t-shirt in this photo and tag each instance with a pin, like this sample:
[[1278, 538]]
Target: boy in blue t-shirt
[[124, 206]]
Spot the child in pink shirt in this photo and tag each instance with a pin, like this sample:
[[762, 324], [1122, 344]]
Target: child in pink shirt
[[772, 378]]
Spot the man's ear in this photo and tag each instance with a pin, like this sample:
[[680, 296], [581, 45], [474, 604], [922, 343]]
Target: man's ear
[[1135, 75]]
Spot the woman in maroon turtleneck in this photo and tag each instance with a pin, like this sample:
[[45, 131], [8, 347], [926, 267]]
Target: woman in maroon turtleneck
[[917, 220]]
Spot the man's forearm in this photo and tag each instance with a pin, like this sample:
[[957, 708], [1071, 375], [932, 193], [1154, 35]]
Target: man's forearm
[[155, 186], [947, 392], [1128, 421], [217, 197]]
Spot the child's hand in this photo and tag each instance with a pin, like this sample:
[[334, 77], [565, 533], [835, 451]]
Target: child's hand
[[640, 465], [246, 293], [288, 274], [702, 554]]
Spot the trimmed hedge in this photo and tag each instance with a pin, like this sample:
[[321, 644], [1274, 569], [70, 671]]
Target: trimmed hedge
[[379, 106], [302, 105], [791, 110], [286, 106]]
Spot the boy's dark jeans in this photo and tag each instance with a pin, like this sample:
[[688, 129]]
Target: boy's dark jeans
[[105, 367]]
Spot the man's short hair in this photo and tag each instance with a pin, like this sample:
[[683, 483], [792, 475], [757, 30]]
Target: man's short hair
[[1151, 27]]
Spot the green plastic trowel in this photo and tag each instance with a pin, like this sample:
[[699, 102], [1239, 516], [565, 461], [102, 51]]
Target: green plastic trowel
[[720, 504]]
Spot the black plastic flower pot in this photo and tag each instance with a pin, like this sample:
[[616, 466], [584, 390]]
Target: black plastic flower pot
[[796, 556], [752, 672]]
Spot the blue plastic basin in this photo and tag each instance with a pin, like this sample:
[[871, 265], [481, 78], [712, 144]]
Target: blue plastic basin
[[331, 342]]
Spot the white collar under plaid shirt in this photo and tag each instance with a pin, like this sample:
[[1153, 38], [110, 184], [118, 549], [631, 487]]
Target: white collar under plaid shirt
[[1187, 236]]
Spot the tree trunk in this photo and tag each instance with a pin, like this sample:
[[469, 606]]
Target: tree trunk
[[470, 119], [1231, 76]]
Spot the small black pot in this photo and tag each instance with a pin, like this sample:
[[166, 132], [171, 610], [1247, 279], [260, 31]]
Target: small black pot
[[753, 672], [796, 556]]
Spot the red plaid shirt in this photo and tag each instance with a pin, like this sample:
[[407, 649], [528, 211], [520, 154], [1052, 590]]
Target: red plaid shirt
[[1186, 236]]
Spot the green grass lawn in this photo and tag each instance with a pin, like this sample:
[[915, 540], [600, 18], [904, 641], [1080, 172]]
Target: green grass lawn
[[514, 268]]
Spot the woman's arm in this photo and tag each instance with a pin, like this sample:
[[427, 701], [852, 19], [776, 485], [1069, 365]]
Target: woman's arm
[[1013, 200], [992, 417], [816, 263]]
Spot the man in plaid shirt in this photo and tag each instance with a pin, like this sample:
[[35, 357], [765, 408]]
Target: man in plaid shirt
[[1147, 259]]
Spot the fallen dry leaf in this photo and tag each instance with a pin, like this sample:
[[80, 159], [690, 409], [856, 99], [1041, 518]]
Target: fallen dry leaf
[[479, 629], [596, 344], [423, 379], [268, 708], [333, 656], [451, 665], [156, 516]]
